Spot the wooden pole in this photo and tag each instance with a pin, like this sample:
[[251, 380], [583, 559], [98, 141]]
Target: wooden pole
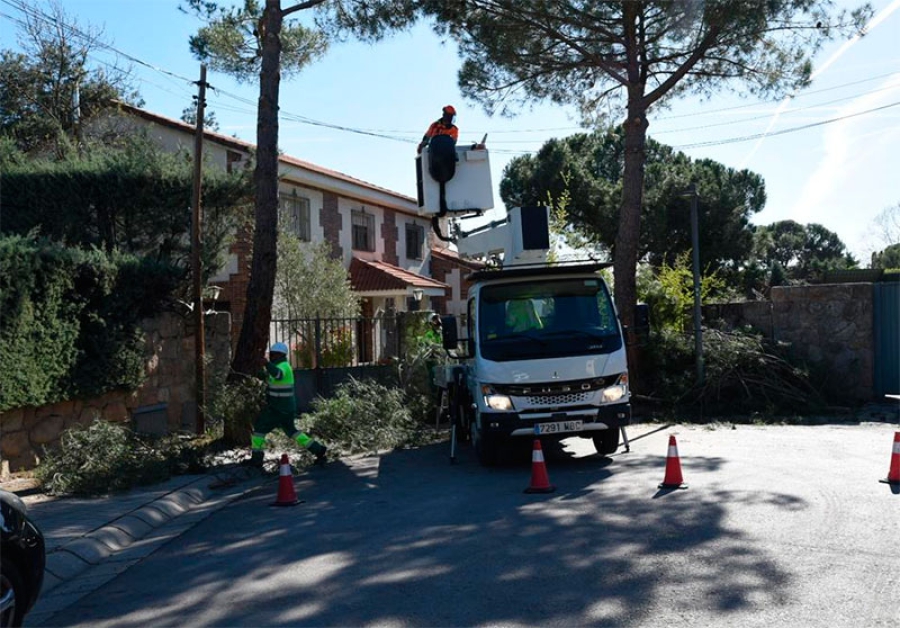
[[695, 247], [196, 261]]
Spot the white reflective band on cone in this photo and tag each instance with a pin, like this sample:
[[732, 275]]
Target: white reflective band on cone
[[285, 469], [673, 452], [896, 449], [537, 456]]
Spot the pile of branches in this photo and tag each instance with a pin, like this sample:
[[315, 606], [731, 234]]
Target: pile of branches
[[743, 372]]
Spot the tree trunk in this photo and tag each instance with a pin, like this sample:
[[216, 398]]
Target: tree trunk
[[628, 236], [251, 344]]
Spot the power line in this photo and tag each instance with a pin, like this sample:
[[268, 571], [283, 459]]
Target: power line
[[769, 115], [392, 134], [776, 100], [757, 136], [40, 15]]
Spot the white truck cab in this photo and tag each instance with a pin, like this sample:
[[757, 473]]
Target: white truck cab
[[544, 357]]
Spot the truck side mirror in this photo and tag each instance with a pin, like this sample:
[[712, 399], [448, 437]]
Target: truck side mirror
[[449, 335]]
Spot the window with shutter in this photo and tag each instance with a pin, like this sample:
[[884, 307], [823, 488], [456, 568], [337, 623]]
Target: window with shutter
[[415, 239], [363, 231], [295, 215]]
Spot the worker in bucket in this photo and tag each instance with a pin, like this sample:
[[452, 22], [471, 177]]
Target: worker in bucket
[[281, 409], [442, 126]]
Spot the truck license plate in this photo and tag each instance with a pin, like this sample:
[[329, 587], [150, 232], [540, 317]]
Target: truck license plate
[[559, 427]]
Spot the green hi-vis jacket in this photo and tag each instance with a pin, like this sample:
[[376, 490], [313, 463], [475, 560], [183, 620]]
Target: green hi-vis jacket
[[281, 387]]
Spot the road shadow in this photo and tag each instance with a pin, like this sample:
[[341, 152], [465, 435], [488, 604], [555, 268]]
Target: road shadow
[[406, 538]]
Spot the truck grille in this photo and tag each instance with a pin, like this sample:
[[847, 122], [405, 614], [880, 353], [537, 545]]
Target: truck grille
[[546, 389], [558, 400]]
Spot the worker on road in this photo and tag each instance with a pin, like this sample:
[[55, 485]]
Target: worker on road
[[442, 126], [431, 342], [281, 408]]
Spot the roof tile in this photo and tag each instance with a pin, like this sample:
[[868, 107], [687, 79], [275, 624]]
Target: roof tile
[[371, 276]]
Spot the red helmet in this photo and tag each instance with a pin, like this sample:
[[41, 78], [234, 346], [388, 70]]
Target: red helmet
[[449, 109]]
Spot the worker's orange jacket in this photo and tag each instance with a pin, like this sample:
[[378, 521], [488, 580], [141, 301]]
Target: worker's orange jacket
[[437, 128]]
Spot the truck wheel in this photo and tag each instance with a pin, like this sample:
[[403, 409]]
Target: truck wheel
[[485, 448], [607, 442], [468, 423], [462, 422]]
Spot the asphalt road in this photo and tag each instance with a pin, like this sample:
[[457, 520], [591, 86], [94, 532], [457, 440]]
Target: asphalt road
[[780, 526]]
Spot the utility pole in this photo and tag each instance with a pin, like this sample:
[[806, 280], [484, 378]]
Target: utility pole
[[695, 246], [196, 261], [76, 113]]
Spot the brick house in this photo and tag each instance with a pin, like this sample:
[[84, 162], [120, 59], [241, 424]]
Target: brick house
[[452, 270], [377, 233]]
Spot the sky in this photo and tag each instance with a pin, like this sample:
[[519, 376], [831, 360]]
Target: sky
[[829, 155]]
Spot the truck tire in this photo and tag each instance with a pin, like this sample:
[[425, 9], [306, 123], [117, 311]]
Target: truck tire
[[462, 417], [486, 447], [607, 442], [465, 425]]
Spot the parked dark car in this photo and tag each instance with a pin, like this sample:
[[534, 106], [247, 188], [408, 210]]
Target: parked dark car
[[23, 558]]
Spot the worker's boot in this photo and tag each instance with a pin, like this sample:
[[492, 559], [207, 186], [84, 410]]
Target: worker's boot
[[318, 450]]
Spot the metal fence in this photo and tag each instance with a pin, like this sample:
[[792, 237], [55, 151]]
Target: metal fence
[[325, 352], [321, 343]]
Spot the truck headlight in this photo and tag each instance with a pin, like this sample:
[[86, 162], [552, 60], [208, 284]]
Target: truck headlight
[[496, 401], [617, 391]]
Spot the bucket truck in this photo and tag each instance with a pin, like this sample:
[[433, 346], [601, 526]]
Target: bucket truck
[[542, 351]]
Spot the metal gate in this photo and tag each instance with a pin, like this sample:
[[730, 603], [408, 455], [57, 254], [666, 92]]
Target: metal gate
[[325, 352], [886, 306]]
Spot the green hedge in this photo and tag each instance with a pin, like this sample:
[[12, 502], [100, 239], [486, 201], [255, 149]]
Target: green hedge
[[70, 319], [132, 198]]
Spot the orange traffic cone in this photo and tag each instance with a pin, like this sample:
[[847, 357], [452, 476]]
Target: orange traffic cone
[[540, 483], [893, 476], [287, 496], [673, 477]]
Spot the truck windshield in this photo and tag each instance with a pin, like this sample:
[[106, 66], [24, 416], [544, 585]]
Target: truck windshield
[[539, 319]]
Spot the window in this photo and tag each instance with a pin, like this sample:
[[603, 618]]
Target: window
[[231, 158], [415, 238], [558, 317], [295, 215], [363, 226]]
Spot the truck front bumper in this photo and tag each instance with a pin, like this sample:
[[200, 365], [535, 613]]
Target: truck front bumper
[[504, 424]]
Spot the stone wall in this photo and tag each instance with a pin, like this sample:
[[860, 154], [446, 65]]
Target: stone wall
[[828, 325], [165, 403]]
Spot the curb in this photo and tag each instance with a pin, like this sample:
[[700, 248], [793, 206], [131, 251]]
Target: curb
[[81, 566]]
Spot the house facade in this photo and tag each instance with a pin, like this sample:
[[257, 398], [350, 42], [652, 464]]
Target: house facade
[[453, 271], [377, 233]]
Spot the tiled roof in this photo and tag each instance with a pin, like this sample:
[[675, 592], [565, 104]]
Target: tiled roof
[[373, 276], [238, 144], [453, 256]]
